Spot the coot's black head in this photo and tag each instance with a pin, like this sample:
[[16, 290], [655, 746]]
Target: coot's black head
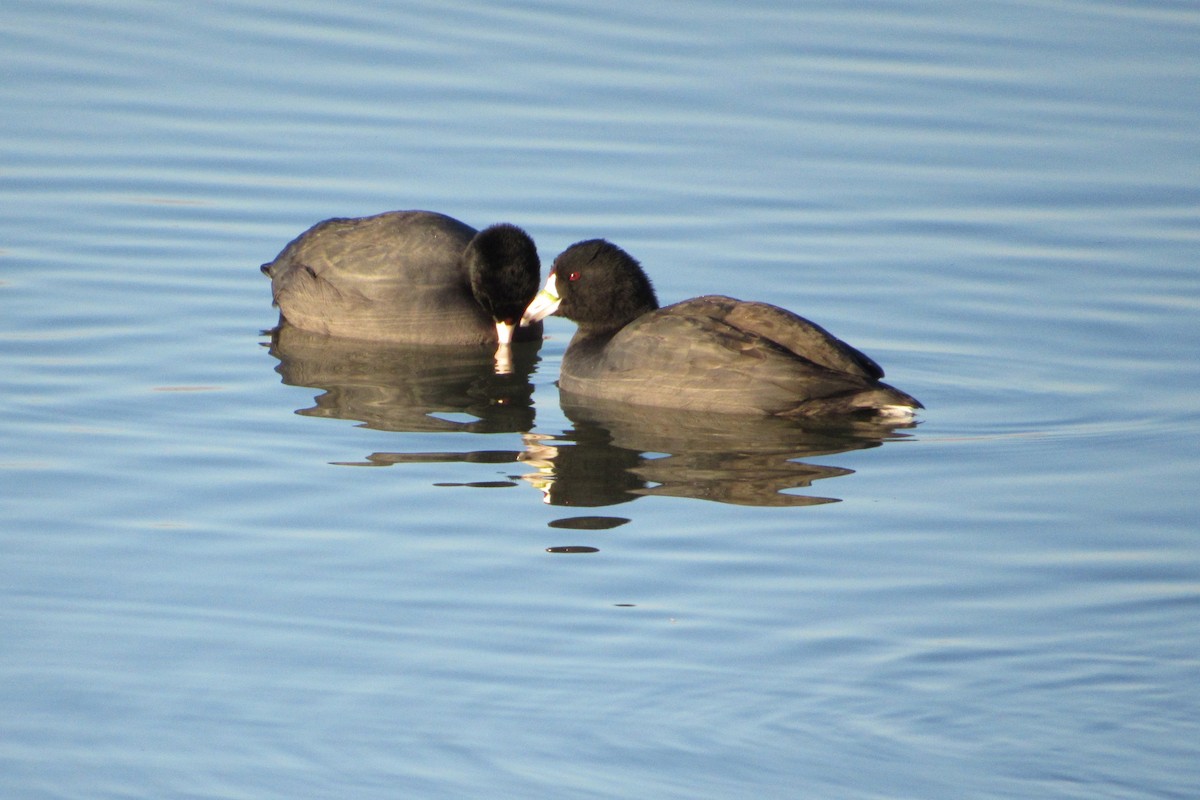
[[597, 285], [504, 270]]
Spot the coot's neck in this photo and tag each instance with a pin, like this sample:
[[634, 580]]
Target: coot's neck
[[622, 312], [587, 342]]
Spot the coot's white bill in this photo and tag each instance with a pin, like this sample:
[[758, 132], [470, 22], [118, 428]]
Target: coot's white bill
[[544, 303]]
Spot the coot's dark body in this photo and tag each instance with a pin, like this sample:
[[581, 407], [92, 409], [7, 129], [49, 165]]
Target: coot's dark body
[[406, 276], [710, 353]]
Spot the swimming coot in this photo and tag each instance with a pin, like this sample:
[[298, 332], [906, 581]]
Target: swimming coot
[[706, 354], [408, 276]]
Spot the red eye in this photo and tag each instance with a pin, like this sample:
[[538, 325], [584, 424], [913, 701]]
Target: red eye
[[574, 276]]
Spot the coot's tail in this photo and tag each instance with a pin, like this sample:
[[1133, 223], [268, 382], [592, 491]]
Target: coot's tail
[[879, 401]]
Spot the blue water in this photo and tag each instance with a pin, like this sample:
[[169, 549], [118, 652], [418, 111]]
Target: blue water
[[231, 570]]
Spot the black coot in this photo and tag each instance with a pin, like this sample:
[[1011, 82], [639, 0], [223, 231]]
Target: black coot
[[706, 354], [407, 276]]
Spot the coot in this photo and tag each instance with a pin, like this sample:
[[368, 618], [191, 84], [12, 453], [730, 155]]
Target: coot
[[408, 276], [706, 354]]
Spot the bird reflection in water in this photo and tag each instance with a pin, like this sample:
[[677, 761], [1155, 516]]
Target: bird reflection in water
[[414, 389], [617, 452], [613, 453]]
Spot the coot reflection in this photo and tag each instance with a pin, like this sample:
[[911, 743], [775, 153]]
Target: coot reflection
[[409, 388], [617, 452]]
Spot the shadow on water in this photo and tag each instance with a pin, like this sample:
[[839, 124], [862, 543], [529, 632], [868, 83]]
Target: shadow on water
[[615, 453], [412, 389]]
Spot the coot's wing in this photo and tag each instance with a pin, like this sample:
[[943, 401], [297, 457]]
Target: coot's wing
[[790, 331]]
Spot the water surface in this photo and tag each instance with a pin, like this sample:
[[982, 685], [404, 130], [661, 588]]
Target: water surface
[[236, 568]]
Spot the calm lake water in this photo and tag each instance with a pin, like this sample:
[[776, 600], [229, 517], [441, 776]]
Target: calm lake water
[[321, 570]]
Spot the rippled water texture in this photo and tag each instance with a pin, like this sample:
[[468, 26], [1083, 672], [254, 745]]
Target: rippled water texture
[[234, 567]]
